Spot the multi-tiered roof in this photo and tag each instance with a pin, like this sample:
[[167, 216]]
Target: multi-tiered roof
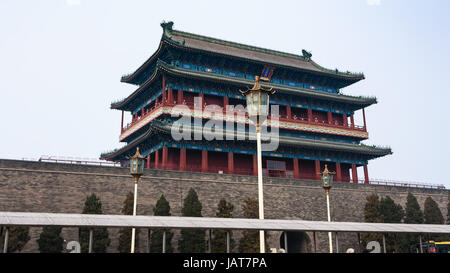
[[204, 66]]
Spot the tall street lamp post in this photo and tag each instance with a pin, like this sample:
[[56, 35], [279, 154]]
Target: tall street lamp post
[[258, 108], [136, 170], [327, 181]]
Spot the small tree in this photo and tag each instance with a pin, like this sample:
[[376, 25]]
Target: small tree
[[50, 240], [125, 233], [101, 240], [432, 215], [218, 242], [249, 242], [413, 215], [372, 214], [162, 208], [192, 240], [448, 208], [391, 213], [447, 236], [17, 238], [431, 212]]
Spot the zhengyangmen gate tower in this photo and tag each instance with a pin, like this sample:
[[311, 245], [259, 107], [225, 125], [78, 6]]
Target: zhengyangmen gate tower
[[316, 121]]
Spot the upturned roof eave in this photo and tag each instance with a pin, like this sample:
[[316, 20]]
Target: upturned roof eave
[[293, 90], [364, 102], [154, 57], [328, 145], [121, 104]]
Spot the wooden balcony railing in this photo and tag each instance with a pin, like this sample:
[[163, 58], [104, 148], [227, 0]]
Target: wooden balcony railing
[[294, 119]]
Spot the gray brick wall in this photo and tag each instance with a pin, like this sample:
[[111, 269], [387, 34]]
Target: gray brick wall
[[62, 188]]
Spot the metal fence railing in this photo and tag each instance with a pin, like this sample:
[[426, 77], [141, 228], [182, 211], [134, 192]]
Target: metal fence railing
[[79, 161]]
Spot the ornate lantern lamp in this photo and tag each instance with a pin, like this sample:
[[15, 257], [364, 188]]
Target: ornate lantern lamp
[[258, 108], [136, 170], [257, 102], [327, 181], [137, 165]]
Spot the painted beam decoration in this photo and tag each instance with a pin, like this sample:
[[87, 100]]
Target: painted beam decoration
[[291, 125], [266, 74]]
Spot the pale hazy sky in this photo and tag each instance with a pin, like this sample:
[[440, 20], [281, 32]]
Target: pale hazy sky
[[61, 63]]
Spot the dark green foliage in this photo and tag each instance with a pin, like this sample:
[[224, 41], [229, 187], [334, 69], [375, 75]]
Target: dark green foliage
[[219, 240], [413, 215], [192, 240], [162, 208], [125, 233], [391, 213], [432, 215], [249, 243], [372, 214], [447, 236], [101, 240], [17, 238], [50, 240], [192, 206], [448, 209]]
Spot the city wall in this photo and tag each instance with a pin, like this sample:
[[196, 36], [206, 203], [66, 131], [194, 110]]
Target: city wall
[[28, 186]]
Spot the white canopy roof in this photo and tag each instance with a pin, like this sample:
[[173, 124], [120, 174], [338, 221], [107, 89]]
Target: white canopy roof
[[118, 221]]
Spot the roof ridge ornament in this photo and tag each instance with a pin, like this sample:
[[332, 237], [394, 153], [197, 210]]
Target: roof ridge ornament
[[167, 27], [306, 55]]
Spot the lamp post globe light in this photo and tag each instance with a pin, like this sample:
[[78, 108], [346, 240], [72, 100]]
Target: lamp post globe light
[[327, 181], [136, 170], [258, 108]]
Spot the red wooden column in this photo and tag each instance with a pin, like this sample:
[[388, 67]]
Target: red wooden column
[[225, 102], [366, 175], [165, 156], [310, 117], [345, 119], [255, 165], [296, 169], [317, 162], [204, 160], [288, 112], [157, 159], [201, 95], [148, 161], [170, 95], [364, 118], [182, 159], [354, 174], [180, 96], [330, 117], [121, 124], [338, 172], [230, 163], [352, 122]]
